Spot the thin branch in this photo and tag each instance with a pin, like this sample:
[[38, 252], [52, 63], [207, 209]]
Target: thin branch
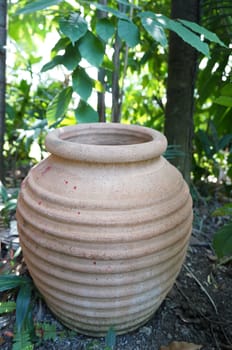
[[117, 92], [202, 287]]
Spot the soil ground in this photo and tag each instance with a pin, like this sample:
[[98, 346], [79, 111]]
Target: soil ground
[[197, 310]]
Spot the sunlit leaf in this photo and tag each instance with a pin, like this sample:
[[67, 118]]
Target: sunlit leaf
[[7, 306], [61, 44], [92, 49], [53, 63], [224, 101], [82, 84], [105, 29], [129, 4], [37, 5], [75, 27], [68, 120], [85, 113], [222, 241], [98, 86], [111, 10], [129, 32], [201, 30], [166, 23], [59, 105], [155, 30]]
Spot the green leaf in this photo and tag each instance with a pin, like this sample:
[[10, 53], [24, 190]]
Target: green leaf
[[227, 90], [201, 30], [105, 29], [3, 193], [188, 36], [22, 340], [222, 241], [224, 142], [59, 105], [108, 9], [72, 57], [75, 27], [155, 30], [111, 338], [61, 44], [53, 63], [92, 49], [22, 305], [224, 101], [36, 5], [85, 113], [47, 330], [11, 204], [82, 84], [11, 281], [7, 306], [167, 23], [128, 31], [223, 211]]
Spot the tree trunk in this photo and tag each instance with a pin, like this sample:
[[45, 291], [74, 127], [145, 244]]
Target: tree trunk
[[3, 11], [182, 64]]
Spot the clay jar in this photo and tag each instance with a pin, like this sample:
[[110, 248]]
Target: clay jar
[[104, 224]]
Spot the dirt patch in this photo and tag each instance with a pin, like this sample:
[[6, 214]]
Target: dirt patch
[[197, 310]]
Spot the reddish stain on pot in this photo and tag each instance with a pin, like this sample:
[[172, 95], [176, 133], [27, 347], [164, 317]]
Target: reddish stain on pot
[[74, 187], [94, 262], [66, 182], [24, 183], [78, 213], [46, 170], [40, 202]]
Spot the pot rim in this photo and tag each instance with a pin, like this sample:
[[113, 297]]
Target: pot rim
[[131, 143]]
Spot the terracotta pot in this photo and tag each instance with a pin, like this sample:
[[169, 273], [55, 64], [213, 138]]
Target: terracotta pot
[[104, 224]]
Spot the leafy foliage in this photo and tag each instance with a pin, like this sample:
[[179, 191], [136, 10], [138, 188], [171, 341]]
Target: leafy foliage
[[91, 39], [222, 241], [9, 203], [23, 329], [45, 331], [58, 106], [7, 306]]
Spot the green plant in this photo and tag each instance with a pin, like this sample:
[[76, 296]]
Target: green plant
[[222, 241], [24, 329], [9, 203], [110, 342], [121, 26], [26, 124]]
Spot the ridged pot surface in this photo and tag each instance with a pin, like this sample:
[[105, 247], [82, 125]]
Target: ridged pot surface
[[104, 224]]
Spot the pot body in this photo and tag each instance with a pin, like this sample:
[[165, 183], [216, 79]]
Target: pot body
[[104, 224]]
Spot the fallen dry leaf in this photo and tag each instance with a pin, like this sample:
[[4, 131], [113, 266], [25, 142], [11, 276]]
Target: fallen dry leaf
[[176, 345]]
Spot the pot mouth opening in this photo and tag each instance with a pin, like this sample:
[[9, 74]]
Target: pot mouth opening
[[106, 142], [107, 138]]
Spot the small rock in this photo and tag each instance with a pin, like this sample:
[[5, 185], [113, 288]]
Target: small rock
[[146, 330]]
